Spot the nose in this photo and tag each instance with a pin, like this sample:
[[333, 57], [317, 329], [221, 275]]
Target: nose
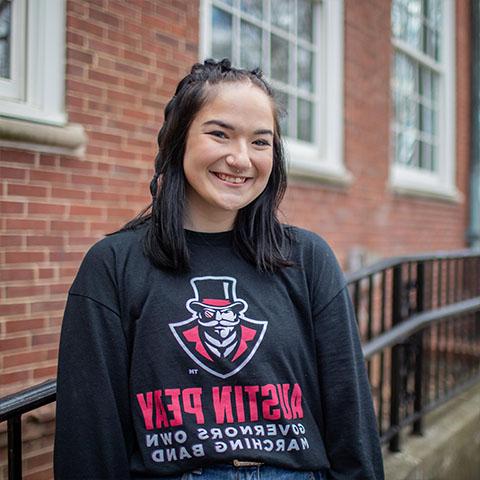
[[218, 316], [239, 158]]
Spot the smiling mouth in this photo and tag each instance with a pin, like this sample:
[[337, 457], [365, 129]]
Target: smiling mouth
[[230, 178]]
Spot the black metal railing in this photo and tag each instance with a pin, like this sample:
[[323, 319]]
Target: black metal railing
[[12, 407], [419, 320]]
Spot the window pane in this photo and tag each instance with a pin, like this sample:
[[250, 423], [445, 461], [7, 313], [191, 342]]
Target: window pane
[[5, 32], [305, 19], [399, 148], [425, 83], [253, 7], [435, 88], [304, 120], [413, 34], [221, 34], [411, 149], [410, 114], [433, 11], [251, 46], [281, 99], [406, 148], [419, 23], [305, 69], [279, 58], [426, 156], [426, 120], [405, 74], [282, 14], [399, 19]]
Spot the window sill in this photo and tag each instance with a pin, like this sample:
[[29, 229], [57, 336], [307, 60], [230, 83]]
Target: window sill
[[321, 172], [70, 139], [411, 182], [451, 195]]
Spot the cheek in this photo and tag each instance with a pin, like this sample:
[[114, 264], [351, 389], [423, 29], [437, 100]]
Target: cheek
[[265, 169]]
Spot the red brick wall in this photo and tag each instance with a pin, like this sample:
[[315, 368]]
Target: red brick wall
[[123, 62]]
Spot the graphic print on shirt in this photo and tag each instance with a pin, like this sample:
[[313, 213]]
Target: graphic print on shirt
[[218, 336]]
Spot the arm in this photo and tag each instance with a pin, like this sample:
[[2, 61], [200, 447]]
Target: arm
[[351, 437], [94, 435]]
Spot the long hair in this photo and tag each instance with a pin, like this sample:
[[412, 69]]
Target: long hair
[[258, 236]]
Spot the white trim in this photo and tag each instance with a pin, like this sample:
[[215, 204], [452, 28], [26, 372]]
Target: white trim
[[44, 91], [442, 182], [323, 159]]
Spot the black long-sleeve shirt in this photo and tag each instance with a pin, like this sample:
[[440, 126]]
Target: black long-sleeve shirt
[[160, 373]]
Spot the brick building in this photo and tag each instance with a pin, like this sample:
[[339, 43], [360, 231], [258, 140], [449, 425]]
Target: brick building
[[378, 94]]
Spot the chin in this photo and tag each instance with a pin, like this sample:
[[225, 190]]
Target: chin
[[233, 206]]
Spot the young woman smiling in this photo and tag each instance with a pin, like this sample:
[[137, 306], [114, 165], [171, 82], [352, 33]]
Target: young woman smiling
[[206, 340]]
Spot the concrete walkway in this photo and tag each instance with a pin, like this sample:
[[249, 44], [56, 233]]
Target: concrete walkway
[[450, 447]]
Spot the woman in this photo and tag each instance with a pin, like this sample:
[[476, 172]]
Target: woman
[[206, 340]]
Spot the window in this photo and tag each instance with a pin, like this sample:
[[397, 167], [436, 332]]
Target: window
[[423, 124], [295, 42], [32, 59]]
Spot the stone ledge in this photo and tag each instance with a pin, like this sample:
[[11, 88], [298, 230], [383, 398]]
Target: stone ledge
[[450, 447], [70, 139]]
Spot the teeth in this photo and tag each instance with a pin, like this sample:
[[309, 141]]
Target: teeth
[[228, 178]]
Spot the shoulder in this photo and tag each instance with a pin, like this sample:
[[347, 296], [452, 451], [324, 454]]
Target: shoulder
[[314, 255], [116, 245], [310, 245], [107, 258]]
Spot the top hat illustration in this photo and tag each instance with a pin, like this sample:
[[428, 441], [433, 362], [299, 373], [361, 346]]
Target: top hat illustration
[[217, 293]]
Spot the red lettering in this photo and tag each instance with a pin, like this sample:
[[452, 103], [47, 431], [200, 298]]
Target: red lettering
[[239, 403], [147, 409], [284, 399], [252, 401], [161, 418], [222, 404], [267, 411], [174, 407], [296, 402], [192, 403]]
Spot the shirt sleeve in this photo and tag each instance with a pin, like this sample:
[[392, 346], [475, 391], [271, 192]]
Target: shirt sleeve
[[350, 429], [94, 434]]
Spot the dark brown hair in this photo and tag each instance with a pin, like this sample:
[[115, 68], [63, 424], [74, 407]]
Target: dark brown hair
[[258, 235]]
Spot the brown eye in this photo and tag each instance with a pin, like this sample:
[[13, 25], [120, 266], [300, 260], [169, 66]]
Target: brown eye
[[218, 133]]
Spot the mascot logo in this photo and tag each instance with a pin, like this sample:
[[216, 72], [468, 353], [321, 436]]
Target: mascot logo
[[218, 336]]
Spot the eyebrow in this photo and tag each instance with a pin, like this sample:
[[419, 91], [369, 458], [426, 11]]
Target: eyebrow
[[222, 124]]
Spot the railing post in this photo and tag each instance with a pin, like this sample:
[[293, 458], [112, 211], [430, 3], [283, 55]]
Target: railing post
[[418, 402], [395, 374], [14, 426]]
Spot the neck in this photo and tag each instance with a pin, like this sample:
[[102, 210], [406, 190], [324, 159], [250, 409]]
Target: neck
[[208, 222]]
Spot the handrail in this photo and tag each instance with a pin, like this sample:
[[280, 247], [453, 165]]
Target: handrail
[[28, 399], [415, 323], [392, 262]]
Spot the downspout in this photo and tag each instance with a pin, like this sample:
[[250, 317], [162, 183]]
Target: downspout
[[473, 233]]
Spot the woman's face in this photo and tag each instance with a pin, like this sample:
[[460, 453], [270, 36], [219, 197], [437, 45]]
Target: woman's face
[[228, 155]]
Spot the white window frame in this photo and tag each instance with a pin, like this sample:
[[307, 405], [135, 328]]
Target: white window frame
[[12, 87], [324, 157], [441, 183], [37, 89]]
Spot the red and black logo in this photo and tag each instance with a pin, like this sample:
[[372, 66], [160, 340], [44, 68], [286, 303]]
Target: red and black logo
[[218, 336]]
